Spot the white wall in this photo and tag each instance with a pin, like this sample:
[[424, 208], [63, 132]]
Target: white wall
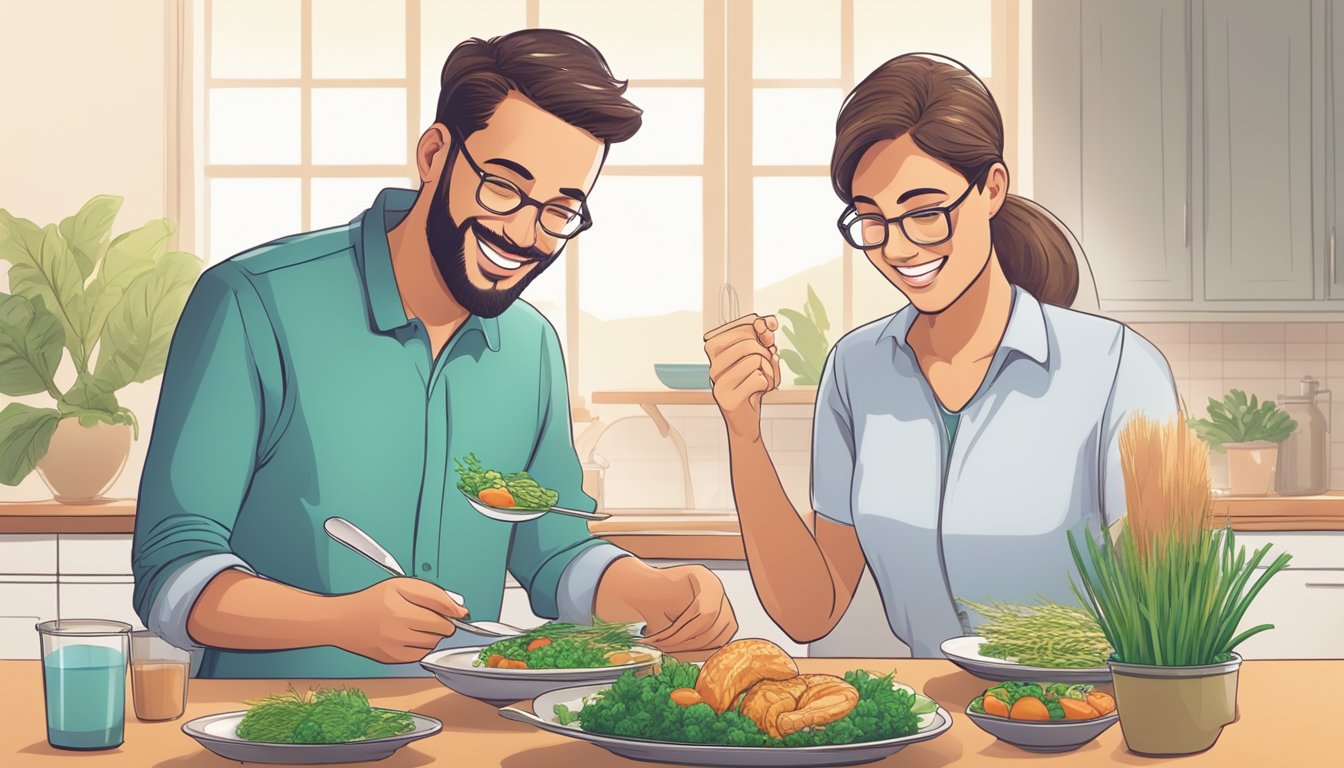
[[84, 95]]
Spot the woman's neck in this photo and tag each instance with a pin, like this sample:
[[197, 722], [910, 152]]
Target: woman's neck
[[971, 328]]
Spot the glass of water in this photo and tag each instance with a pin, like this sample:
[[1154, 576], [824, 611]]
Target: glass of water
[[84, 682]]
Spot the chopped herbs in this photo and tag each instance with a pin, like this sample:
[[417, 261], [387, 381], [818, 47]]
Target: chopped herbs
[[322, 717]]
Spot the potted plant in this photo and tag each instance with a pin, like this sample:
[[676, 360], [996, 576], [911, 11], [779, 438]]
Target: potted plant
[[1169, 594], [1249, 431], [806, 331], [111, 304]]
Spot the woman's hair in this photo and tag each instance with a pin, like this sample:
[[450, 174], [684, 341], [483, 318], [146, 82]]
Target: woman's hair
[[951, 116]]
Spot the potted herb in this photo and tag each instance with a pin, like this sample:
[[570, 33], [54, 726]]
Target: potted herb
[[806, 331], [1249, 431], [1169, 594], [111, 304]]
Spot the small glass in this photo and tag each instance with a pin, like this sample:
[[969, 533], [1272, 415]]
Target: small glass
[[84, 682], [159, 674]]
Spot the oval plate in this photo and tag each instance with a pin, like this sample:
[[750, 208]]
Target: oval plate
[[453, 667], [931, 726], [965, 653], [219, 734]]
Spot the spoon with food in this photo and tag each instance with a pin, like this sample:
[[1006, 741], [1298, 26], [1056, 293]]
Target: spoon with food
[[513, 497]]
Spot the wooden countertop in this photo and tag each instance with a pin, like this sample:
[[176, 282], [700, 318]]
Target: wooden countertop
[[1273, 728]]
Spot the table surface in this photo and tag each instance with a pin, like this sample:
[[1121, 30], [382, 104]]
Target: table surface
[[1284, 720]]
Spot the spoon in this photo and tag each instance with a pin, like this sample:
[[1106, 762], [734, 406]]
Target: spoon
[[520, 515], [350, 535]]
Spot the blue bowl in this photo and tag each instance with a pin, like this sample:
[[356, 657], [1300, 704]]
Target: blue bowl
[[683, 375]]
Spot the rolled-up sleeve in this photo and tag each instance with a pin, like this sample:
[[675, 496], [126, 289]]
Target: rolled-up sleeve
[[1143, 385], [542, 550], [832, 448], [201, 456]]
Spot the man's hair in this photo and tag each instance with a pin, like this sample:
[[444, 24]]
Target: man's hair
[[559, 72]]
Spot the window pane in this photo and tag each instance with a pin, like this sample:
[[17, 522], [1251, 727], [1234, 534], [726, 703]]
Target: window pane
[[673, 132], [245, 213], [254, 126], [337, 201], [959, 29], [254, 38], [795, 245], [641, 278], [795, 40], [638, 38], [794, 126], [355, 38], [444, 24], [354, 126]]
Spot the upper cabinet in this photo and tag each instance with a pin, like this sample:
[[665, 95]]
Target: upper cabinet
[[1256, 103], [1135, 139], [1204, 173]]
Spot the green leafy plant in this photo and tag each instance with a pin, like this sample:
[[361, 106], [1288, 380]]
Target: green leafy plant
[[112, 303], [807, 333], [1238, 419]]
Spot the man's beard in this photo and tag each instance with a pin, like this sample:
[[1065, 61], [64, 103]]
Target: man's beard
[[447, 241]]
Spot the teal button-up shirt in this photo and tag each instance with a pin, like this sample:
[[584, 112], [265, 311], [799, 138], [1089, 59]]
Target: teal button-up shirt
[[296, 390]]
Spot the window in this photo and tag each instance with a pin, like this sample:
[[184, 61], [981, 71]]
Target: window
[[721, 204]]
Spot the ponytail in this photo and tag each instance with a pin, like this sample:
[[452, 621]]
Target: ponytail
[[1034, 252]]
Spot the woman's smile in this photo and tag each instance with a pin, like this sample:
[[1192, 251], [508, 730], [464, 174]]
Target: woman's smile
[[922, 275]]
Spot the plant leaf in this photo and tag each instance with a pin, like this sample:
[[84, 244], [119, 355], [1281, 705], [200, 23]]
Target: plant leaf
[[818, 310], [53, 276], [124, 263], [88, 394], [24, 241], [31, 342], [134, 344], [25, 435], [87, 232]]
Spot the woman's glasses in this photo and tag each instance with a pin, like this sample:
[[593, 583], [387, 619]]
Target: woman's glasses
[[926, 226]]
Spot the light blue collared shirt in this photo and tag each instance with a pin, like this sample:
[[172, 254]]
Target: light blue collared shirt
[[1035, 456]]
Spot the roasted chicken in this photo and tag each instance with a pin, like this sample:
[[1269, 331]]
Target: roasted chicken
[[778, 699]]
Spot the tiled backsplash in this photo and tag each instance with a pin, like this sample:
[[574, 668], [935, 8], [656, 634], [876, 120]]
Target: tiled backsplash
[[1207, 360]]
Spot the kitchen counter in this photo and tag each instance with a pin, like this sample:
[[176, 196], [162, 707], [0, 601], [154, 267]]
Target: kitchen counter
[[1275, 725]]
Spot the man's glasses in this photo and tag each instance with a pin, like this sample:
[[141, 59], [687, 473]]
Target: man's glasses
[[501, 196], [926, 226]]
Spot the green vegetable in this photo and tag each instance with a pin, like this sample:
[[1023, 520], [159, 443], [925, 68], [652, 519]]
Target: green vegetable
[[640, 707], [1046, 635], [527, 494], [563, 716], [1239, 420], [806, 331], [572, 646], [73, 287], [1181, 604], [325, 717]]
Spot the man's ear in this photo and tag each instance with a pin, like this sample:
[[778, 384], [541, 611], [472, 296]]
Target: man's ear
[[431, 152]]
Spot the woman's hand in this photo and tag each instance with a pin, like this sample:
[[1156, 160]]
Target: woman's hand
[[743, 365]]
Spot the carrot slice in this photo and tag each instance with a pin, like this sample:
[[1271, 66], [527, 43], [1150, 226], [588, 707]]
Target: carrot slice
[[1077, 710], [1029, 708], [995, 706]]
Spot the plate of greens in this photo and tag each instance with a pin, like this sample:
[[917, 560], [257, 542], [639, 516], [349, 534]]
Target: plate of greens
[[312, 728], [554, 655], [1023, 643], [640, 717]]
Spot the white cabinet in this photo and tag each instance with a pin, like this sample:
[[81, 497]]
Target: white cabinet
[[1304, 602], [99, 598], [22, 605]]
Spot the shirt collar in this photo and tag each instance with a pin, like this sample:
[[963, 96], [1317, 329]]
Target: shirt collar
[[1025, 333], [380, 284]]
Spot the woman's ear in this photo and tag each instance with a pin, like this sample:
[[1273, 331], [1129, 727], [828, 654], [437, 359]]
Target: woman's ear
[[996, 185], [429, 153]]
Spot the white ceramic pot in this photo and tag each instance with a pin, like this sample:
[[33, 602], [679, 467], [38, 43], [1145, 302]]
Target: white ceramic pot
[[82, 463], [1251, 467]]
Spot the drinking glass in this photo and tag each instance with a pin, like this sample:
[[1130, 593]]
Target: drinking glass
[[84, 682], [159, 674]]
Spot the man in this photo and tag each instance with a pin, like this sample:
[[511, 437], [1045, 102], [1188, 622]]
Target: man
[[341, 373]]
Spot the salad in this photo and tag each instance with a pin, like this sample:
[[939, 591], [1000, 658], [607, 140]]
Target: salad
[[516, 490], [564, 646], [328, 716], [751, 699], [1043, 701]]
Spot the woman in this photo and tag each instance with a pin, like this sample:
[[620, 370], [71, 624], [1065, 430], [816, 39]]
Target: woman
[[958, 440]]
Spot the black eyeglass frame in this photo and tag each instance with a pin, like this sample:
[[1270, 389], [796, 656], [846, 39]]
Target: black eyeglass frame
[[851, 215], [524, 200]]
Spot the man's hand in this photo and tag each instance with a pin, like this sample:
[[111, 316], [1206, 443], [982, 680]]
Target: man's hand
[[395, 621], [683, 608]]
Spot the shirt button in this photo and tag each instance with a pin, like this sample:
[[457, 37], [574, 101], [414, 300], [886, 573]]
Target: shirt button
[[424, 567]]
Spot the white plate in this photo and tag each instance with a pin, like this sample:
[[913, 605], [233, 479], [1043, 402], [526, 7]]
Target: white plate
[[219, 734], [453, 668], [1043, 735], [930, 726], [965, 653]]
